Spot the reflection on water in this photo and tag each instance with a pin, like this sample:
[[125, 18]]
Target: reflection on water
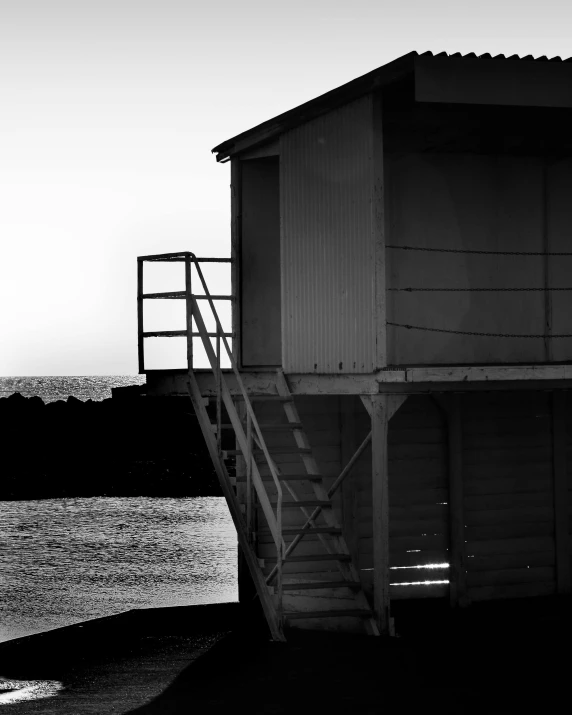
[[63, 561], [17, 691]]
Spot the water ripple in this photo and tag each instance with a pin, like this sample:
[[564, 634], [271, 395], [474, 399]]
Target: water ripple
[[67, 560]]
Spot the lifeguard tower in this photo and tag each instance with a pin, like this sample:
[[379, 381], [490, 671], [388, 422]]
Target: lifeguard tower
[[401, 343]]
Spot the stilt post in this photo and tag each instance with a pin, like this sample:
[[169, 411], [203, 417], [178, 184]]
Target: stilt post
[[380, 503]]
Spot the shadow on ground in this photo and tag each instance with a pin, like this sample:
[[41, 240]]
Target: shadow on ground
[[490, 662]]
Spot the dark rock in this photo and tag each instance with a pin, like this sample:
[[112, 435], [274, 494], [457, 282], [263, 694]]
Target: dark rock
[[136, 447]]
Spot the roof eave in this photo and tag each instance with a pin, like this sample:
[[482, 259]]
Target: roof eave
[[315, 107]]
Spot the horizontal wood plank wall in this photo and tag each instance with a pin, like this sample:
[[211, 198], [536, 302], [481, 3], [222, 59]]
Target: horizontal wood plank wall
[[417, 501], [568, 439], [508, 484], [320, 417], [508, 488]]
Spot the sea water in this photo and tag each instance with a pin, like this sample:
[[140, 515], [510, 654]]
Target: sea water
[[63, 561], [50, 388]]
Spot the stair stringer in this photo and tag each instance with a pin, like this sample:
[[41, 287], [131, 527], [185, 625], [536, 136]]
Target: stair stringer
[[332, 543], [268, 606]]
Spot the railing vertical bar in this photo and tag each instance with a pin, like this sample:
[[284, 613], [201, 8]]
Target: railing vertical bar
[[249, 475], [279, 558], [140, 348], [218, 393], [189, 307], [193, 313], [277, 518]]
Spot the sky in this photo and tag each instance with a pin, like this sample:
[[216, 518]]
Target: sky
[[109, 111]]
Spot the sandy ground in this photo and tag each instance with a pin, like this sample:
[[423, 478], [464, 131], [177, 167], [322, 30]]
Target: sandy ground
[[348, 675], [108, 665], [513, 659], [109, 685]]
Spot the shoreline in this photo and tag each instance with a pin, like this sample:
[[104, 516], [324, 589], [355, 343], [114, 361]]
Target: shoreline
[[195, 617], [112, 664]]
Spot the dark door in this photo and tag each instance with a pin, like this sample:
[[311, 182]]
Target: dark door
[[260, 311]]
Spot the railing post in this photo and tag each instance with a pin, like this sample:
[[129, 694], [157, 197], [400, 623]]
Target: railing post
[[140, 348], [218, 393], [274, 520], [249, 474], [279, 560], [189, 306]]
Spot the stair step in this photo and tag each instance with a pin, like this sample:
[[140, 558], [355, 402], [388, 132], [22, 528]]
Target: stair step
[[354, 612], [287, 478], [271, 428], [315, 585], [303, 503], [312, 557], [293, 531], [296, 530], [259, 454], [283, 450], [262, 398]]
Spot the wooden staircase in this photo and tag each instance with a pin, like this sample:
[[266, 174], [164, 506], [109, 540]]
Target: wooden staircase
[[319, 585], [310, 594]]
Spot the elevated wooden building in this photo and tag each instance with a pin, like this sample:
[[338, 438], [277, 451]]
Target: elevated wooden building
[[401, 342]]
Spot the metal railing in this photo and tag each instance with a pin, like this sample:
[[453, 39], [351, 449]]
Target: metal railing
[[187, 295], [253, 433]]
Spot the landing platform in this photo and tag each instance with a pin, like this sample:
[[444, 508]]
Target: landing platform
[[411, 380]]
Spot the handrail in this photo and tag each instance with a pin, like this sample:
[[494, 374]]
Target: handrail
[[248, 404], [223, 393], [181, 257]]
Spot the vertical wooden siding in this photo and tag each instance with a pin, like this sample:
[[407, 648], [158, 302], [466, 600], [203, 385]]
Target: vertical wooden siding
[[327, 189]]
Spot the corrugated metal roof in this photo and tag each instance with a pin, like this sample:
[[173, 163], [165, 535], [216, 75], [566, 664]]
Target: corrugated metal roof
[[488, 56], [372, 81]]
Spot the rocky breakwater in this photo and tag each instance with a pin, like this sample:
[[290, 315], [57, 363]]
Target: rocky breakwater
[[118, 447]]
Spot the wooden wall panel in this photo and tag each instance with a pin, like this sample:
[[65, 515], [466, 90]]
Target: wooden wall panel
[[329, 206], [568, 458], [321, 419], [417, 499], [483, 203], [509, 510], [508, 486]]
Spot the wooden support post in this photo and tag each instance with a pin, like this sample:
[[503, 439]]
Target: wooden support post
[[189, 309], [381, 409], [458, 550], [561, 536], [349, 499], [380, 503], [218, 394], [140, 339], [249, 516]]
